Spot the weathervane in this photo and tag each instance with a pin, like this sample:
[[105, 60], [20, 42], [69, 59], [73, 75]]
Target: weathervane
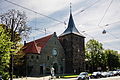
[[70, 7]]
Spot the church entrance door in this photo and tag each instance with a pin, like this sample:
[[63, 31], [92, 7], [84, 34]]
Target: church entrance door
[[41, 69], [55, 66]]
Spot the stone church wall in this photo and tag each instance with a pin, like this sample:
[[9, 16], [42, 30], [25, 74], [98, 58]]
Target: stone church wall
[[74, 52], [41, 63]]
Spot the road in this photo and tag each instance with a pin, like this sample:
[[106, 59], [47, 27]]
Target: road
[[109, 78], [48, 78]]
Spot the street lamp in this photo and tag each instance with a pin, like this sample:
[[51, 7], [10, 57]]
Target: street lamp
[[63, 65], [11, 55], [104, 32]]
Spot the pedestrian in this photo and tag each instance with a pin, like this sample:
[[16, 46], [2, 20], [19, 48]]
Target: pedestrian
[[52, 72]]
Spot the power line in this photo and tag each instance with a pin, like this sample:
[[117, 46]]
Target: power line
[[105, 12], [87, 7], [113, 35], [34, 11], [0, 7], [111, 23], [83, 9], [96, 39], [108, 24]]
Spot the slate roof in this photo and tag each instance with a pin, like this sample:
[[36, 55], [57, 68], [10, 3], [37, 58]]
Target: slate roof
[[36, 45], [71, 28]]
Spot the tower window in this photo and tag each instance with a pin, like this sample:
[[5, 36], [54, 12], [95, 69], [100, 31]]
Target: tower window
[[55, 42], [32, 57], [37, 57], [48, 57]]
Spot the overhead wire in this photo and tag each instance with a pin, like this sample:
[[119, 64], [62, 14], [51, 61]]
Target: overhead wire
[[107, 24], [83, 10], [111, 23], [34, 11], [37, 13], [61, 21], [86, 8], [105, 12], [0, 7], [98, 40], [113, 35]]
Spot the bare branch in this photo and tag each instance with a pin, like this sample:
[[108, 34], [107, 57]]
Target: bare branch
[[16, 20]]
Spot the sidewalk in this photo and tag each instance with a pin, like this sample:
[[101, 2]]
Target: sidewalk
[[34, 78], [43, 78]]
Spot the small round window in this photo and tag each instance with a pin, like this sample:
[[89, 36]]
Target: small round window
[[54, 52]]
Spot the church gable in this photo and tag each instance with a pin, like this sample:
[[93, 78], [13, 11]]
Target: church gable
[[53, 44], [45, 53]]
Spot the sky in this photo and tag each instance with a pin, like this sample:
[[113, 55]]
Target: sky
[[91, 17]]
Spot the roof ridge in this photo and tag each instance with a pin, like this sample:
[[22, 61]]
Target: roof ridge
[[44, 37], [40, 38]]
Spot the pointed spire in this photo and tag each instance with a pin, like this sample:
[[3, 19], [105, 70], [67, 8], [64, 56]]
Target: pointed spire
[[71, 26]]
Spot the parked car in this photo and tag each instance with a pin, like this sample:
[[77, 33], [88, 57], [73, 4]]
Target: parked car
[[96, 75], [116, 73], [104, 74], [83, 76], [0, 77], [110, 73]]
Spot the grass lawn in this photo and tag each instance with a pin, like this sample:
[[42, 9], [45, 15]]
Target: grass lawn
[[70, 76]]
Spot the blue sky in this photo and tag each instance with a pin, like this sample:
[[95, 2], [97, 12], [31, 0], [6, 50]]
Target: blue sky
[[87, 22]]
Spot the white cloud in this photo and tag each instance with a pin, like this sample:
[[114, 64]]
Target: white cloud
[[89, 19]]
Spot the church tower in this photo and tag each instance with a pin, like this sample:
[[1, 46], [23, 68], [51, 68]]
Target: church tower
[[73, 44]]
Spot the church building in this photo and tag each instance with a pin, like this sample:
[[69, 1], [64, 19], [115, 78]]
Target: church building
[[65, 53]]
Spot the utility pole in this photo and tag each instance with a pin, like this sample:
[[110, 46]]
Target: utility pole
[[11, 66], [11, 55]]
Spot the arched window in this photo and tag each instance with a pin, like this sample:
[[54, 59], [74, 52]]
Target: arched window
[[48, 57], [32, 57], [37, 57]]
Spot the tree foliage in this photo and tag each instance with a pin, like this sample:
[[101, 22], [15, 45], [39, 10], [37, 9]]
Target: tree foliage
[[99, 58], [20, 63], [95, 54], [112, 57], [5, 48], [16, 27], [15, 21]]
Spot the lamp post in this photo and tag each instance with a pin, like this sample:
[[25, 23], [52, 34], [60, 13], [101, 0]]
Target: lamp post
[[63, 65], [11, 55]]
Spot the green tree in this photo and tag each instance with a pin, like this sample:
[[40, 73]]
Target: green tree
[[15, 25], [94, 54], [5, 48], [20, 63], [113, 59]]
